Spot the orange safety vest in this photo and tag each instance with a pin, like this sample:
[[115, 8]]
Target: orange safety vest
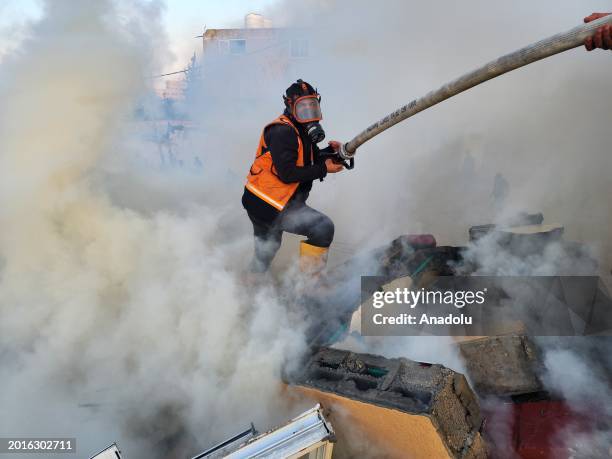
[[263, 181]]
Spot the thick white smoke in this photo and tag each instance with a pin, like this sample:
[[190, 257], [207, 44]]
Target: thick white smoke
[[120, 301], [544, 128], [116, 325]]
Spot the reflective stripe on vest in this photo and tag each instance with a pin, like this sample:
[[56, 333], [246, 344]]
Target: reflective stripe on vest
[[263, 181]]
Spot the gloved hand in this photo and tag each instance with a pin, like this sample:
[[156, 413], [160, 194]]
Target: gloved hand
[[335, 144], [333, 167], [602, 37]]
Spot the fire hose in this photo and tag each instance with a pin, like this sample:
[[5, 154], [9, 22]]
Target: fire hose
[[536, 51]]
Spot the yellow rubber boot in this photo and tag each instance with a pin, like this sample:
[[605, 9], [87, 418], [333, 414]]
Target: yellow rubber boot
[[312, 258]]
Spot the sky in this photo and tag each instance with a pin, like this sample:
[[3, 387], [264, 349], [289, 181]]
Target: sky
[[184, 20]]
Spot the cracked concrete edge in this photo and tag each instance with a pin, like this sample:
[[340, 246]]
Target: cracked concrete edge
[[453, 409]]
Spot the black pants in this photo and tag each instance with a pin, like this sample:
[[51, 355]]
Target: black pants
[[296, 218]]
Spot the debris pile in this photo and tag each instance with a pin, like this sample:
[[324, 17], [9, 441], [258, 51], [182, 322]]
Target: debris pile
[[507, 368], [404, 408], [400, 408]]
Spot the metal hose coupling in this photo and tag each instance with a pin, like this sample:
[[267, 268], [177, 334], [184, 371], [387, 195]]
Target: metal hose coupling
[[344, 153]]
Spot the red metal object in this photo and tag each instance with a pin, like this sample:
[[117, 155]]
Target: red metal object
[[421, 241], [535, 430], [539, 426]]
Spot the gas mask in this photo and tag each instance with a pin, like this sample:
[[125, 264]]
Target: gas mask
[[307, 111]]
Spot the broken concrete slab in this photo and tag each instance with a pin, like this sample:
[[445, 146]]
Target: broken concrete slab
[[502, 365], [524, 218], [521, 219], [406, 408], [518, 240]]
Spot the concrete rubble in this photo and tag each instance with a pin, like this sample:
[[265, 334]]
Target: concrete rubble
[[412, 409], [401, 407], [499, 365], [502, 365]]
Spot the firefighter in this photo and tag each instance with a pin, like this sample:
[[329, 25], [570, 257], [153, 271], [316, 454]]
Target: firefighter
[[602, 38], [287, 161]]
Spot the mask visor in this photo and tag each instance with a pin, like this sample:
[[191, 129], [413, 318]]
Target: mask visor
[[307, 109]]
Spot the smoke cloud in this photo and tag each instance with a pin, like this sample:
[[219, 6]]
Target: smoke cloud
[[121, 284], [543, 128], [120, 321]]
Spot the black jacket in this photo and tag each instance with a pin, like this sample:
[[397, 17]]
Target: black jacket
[[283, 145]]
